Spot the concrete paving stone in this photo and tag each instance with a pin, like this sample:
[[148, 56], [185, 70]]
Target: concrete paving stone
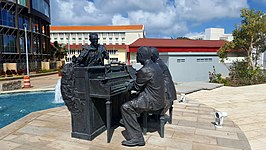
[[59, 135], [179, 105], [26, 138], [30, 147], [7, 145], [166, 142], [44, 117], [185, 129], [175, 121], [187, 110], [242, 136], [35, 130], [66, 145], [189, 114], [228, 122], [230, 129], [205, 119], [255, 144], [10, 137], [202, 112], [177, 113], [205, 125], [187, 123], [167, 133], [191, 137], [199, 146], [187, 118], [239, 144], [215, 133]]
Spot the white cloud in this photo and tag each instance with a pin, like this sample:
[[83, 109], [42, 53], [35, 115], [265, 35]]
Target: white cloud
[[194, 34], [118, 19], [160, 17]]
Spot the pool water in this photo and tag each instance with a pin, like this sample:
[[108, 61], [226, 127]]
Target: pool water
[[16, 106]]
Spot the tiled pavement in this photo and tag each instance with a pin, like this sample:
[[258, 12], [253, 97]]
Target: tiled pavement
[[244, 105], [191, 129]]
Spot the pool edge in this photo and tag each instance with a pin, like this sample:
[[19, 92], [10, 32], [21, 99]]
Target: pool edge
[[20, 123]]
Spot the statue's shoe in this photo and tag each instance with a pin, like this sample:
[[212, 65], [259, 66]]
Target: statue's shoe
[[134, 142]]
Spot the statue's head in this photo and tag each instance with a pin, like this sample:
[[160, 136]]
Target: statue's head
[[143, 54], [94, 38], [154, 54]]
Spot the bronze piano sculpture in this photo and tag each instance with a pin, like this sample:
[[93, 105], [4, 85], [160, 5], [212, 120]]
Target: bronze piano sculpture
[[99, 92], [94, 92]]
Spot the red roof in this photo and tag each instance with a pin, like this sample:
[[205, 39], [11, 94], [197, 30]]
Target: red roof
[[82, 28], [178, 45]]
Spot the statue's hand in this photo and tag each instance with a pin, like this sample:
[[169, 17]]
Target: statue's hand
[[129, 85]]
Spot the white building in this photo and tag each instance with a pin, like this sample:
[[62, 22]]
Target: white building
[[213, 34], [114, 37]]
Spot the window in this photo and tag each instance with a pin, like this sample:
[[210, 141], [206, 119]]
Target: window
[[104, 38], [114, 59], [112, 52], [80, 39], [41, 6], [7, 18], [61, 39], [204, 59], [180, 60], [22, 2], [9, 43], [73, 38]]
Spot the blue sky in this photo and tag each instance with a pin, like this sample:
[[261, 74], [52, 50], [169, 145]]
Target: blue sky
[[161, 18]]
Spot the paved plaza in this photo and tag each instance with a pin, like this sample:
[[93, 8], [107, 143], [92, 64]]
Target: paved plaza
[[192, 127]]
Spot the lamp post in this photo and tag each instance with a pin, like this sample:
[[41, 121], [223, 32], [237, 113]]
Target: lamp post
[[26, 44], [27, 77]]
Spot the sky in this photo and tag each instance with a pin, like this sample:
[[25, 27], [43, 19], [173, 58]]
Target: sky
[[161, 18]]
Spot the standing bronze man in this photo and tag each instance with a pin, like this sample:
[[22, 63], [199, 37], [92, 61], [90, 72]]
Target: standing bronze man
[[149, 84], [94, 54], [168, 82]]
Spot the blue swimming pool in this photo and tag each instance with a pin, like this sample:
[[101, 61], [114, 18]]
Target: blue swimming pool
[[15, 106]]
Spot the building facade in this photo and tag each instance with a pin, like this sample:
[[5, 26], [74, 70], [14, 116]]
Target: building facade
[[115, 38], [15, 15], [187, 60], [213, 34]]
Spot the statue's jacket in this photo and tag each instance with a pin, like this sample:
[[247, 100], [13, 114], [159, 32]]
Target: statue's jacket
[[150, 85], [168, 82]]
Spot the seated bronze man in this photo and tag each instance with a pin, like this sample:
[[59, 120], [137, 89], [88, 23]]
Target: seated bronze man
[[149, 84]]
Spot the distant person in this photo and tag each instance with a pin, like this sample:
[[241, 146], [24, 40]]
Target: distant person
[[169, 90], [149, 84], [94, 54]]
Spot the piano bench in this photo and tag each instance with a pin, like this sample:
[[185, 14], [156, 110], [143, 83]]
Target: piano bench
[[162, 117]]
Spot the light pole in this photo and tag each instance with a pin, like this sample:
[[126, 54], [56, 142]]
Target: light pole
[[26, 41], [27, 77]]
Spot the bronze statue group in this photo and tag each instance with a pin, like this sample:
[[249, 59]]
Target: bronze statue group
[[154, 85]]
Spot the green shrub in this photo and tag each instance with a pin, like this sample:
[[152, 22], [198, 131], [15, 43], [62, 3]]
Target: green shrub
[[240, 74], [9, 73], [2, 73]]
